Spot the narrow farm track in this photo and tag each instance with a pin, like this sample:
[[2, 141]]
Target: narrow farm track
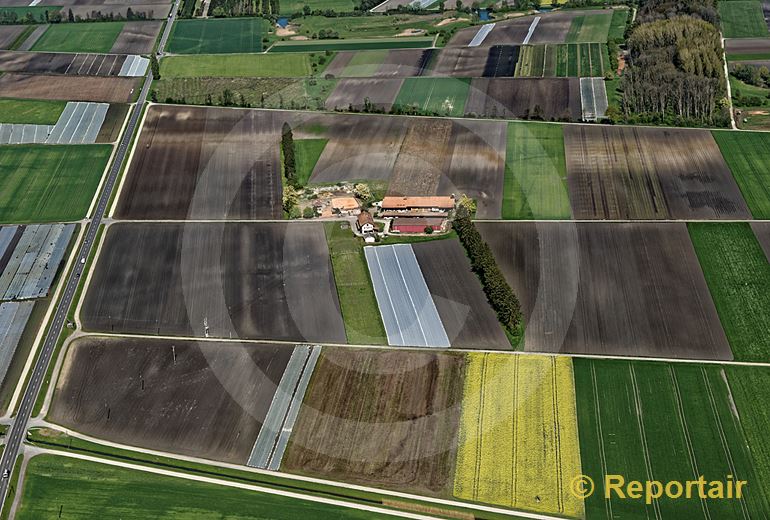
[[18, 429], [433, 349]]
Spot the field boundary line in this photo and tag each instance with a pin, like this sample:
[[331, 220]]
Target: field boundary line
[[642, 435], [129, 159], [21, 383], [600, 431], [686, 435], [290, 476], [226, 483], [765, 364], [87, 282], [488, 119], [723, 436]]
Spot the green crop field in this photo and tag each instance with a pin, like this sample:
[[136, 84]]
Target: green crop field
[[351, 44], [31, 112], [590, 28], [373, 26], [661, 421], [44, 183], [750, 387], [748, 154], [79, 37], [237, 66], [307, 152], [535, 183], [618, 24], [364, 64], [360, 313], [63, 487], [218, 36], [441, 96], [742, 19], [296, 6], [738, 275], [561, 60]]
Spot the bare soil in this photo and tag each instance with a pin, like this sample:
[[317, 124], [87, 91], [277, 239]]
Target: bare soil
[[237, 280], [69, 88], [137, 38], [381, 419], [85, 64], [205, 163], [202, 399], [9, 33], [381, 93], [468, 319], [553, 99], [609, 289], [649, 173]]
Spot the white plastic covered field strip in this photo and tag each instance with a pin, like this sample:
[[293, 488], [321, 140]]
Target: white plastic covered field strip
[[13, 320], [134, 66], [531, 30], [79, 123], [408, 311], [600, 97], [279, 422], [35, 259], [484, 30], [13, 133], [587, 101], [291, 416], [6, 237], [422, 4]]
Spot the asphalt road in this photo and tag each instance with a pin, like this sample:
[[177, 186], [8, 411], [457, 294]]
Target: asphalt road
[[19, 428]]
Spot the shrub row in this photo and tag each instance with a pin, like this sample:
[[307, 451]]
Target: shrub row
[[499, 293]]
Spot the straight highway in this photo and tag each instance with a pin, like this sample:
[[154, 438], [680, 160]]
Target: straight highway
[[19, 427]]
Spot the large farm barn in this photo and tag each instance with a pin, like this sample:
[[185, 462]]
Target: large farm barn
[[364, 259]]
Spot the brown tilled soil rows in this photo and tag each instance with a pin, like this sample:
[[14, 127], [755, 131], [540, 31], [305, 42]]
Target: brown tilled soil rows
[[762, 232], [205, 163], [609, 289], [537, 98], [201, 399], [235, 280], [468, 319], [137, 38], [461, 62], [380, 92], [477, 165], [649, 173], [404, 63], [338, 63], [9, 33], [380, 418], [69, 88], [747, 46], [552, 28], [359, 148], [423, 159], [83, 64], [113, 123], [434, 155]]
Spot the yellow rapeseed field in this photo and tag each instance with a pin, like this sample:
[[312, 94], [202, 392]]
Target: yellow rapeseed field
[[518, 444]]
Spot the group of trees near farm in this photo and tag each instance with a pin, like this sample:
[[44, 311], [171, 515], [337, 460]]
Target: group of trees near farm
[[223, 8], [289, 156], [500, 295], [675, 72]]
